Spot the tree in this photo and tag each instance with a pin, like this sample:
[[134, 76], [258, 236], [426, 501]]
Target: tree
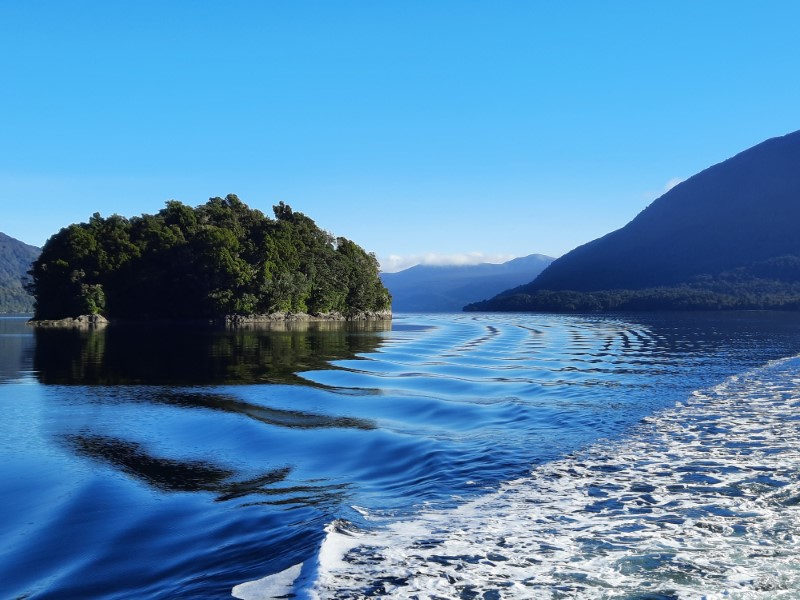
[[219, 258]]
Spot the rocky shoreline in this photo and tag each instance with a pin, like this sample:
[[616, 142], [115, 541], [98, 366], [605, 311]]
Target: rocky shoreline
[[99, 321], [235, 320], [80, 322]]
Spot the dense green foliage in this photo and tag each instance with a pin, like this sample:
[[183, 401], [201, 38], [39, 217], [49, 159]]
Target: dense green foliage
[[14, 299], [220, 258], [766, 285], [15, 261]]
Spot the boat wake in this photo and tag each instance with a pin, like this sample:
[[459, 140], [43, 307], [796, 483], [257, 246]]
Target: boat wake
[[698, 501]]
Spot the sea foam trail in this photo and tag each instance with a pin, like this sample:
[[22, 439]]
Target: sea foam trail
[[698, 501]]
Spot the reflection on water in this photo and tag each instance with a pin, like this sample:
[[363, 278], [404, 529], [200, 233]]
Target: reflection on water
[[197, 355], [16, 347], [163, 473], [181, 461], [171, 475], [295, 419]]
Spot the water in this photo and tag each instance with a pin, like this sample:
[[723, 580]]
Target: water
[[452, 456]]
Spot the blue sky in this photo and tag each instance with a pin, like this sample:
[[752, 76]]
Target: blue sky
[[422, 130]]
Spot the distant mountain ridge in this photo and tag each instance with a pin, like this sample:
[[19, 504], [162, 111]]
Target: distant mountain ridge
[[726, 237], [16, 258], [430, 288]]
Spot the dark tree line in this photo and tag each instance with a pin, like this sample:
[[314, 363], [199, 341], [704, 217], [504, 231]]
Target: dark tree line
[[771, 284], [220, 258]]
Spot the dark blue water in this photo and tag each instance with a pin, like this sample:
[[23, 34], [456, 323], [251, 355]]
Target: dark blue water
[[181, 462]]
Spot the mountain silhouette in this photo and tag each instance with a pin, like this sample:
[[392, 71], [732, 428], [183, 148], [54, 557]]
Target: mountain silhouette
[[429, 288], [734, 222]]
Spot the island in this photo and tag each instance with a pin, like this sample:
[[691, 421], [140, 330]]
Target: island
[[221, 261]]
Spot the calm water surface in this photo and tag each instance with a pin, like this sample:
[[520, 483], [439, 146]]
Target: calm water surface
[[399, 459]]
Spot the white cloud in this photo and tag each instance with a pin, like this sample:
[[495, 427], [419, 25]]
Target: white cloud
[[394, 263], [651, 195], [671, 184]]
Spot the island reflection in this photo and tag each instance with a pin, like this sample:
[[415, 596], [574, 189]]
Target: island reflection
[[170, 475], [175, 354]]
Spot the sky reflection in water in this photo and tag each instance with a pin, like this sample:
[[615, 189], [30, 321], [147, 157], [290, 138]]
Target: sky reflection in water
[[180, 461]]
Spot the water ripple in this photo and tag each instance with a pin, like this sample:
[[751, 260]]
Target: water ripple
[[699, 500], [180, 462]]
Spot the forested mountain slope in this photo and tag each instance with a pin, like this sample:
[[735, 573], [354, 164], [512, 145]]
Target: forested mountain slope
[[15, 260], [730, 231]]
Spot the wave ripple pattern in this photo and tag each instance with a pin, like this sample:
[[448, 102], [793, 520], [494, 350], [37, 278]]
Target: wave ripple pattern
[[698, 501]]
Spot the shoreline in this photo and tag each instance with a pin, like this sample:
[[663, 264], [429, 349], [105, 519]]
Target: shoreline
[[233, 321]]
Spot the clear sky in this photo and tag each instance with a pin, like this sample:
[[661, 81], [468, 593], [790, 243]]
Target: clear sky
[[438, 129]]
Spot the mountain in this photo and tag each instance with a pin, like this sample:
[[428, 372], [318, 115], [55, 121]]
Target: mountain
[[726, 233], [15, 260], [427, 288]]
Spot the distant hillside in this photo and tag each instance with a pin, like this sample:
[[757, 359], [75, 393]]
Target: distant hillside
[[426, 288], [725, 238], [15, 261]]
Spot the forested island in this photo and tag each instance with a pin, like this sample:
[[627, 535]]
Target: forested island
[[218, 260]]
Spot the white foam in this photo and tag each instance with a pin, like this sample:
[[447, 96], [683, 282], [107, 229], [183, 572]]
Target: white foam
[[274, 586], [700, 501]]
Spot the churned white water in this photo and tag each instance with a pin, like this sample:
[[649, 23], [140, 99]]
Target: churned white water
[[697, 501]]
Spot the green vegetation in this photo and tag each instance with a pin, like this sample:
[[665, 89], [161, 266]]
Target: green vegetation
[[14, 299], [220, 258], [772, 284], [15, 261]]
